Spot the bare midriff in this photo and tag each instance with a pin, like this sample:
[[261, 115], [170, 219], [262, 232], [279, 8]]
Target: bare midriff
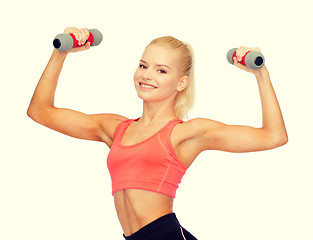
[[136, 208]]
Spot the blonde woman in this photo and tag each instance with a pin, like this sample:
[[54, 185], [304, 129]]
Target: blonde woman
[[149, 155]]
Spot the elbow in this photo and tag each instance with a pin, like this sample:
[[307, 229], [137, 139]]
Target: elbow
[[30, 112], [35, 116], [36, 113], [285, 139], [279, 140], [33, 112], [282, 141]]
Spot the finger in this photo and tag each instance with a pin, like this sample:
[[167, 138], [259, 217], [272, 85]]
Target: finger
[[256, 49], [67, 30], [83, 37], [71, 30], [238, 54], [80, 37], [87, 45], [81, 48], [236, 62], [74, 31], [242, 51], [86, 34]]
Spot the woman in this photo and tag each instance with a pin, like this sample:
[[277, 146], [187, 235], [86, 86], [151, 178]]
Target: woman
[[149, 155]]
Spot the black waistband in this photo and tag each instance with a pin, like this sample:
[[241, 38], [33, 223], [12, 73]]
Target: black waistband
[[153, 230]]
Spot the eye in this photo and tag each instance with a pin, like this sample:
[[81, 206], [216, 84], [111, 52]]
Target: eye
[[162, 71], [142, 66]]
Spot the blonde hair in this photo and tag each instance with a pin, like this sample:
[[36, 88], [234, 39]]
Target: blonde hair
[[185, 99]]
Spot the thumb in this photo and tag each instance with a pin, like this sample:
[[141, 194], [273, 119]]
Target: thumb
[[241, 66], [81, 48]]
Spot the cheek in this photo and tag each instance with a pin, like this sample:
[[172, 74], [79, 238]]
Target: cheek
[[167, 86], [170, 82], [136, 74]]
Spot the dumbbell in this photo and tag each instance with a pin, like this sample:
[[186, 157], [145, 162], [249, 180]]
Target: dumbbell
[[252, 59], [65, 42]]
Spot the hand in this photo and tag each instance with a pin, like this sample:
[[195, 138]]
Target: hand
[[81, 36], [239, 55]]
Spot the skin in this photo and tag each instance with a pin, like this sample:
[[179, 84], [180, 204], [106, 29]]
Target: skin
[[136, 208]]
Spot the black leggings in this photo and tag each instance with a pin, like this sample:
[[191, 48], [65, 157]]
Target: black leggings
[[164, 228]]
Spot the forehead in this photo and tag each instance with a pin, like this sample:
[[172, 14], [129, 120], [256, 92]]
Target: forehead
[[156, 54]]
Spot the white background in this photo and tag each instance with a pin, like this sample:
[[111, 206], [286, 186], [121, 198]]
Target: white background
[[56, 187]]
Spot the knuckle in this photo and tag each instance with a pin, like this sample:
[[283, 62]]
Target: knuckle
[[68, 29]]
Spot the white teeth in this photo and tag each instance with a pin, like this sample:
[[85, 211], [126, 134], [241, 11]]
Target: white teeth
[[146, 86]]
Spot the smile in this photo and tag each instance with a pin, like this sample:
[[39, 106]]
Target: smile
[[146, 86]]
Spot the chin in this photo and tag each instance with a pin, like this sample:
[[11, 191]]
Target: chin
[[146, 99]]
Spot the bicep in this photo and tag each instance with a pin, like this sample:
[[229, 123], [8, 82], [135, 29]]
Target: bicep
[[96, 127], [213, 135]]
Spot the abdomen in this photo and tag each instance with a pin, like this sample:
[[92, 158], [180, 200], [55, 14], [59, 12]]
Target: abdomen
[[136, 208]]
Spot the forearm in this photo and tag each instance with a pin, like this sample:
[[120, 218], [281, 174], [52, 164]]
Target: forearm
[[46, 87], [273, 121]]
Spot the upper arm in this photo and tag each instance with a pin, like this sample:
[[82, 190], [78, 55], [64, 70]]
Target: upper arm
[[96, 127], [213, 135]]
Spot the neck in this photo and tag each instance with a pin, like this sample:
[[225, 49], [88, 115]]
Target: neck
[[157, 112]]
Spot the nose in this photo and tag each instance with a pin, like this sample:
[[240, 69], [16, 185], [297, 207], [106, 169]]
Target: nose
[[148, 75]]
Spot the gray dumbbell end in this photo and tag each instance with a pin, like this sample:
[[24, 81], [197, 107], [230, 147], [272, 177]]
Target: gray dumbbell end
[[97, 35], [63, 42], [254, 60], [230, 55]]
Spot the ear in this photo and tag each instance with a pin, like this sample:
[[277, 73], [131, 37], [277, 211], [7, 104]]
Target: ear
[[183, 83]]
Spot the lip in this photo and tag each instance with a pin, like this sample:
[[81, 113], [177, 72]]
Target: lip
[[140, 83]]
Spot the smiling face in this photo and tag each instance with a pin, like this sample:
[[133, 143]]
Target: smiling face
[[157, 77]]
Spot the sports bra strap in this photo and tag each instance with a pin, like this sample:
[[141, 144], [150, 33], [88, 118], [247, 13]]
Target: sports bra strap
[[121, 126], [125, 124]]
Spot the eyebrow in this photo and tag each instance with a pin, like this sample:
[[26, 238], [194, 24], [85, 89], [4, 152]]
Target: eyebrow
[[158, 65]]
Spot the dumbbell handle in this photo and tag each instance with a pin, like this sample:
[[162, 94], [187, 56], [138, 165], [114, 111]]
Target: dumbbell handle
[[75, 41], [252, 59], [65, 42]]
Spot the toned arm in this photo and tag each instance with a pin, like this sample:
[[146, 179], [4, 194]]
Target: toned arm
[[212, 135], [96, 127]]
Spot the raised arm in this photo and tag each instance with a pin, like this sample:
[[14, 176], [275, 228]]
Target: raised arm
[[97, 127], [209, 134]]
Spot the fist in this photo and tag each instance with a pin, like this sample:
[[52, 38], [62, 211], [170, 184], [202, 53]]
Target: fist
[[81, 36], [240, 53]]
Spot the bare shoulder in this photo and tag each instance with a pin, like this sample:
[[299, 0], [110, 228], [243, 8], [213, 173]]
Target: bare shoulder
[[196, 127], [108, 123], [187, 138]]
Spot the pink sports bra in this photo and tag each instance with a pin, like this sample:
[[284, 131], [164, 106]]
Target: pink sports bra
[[150, 165]]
